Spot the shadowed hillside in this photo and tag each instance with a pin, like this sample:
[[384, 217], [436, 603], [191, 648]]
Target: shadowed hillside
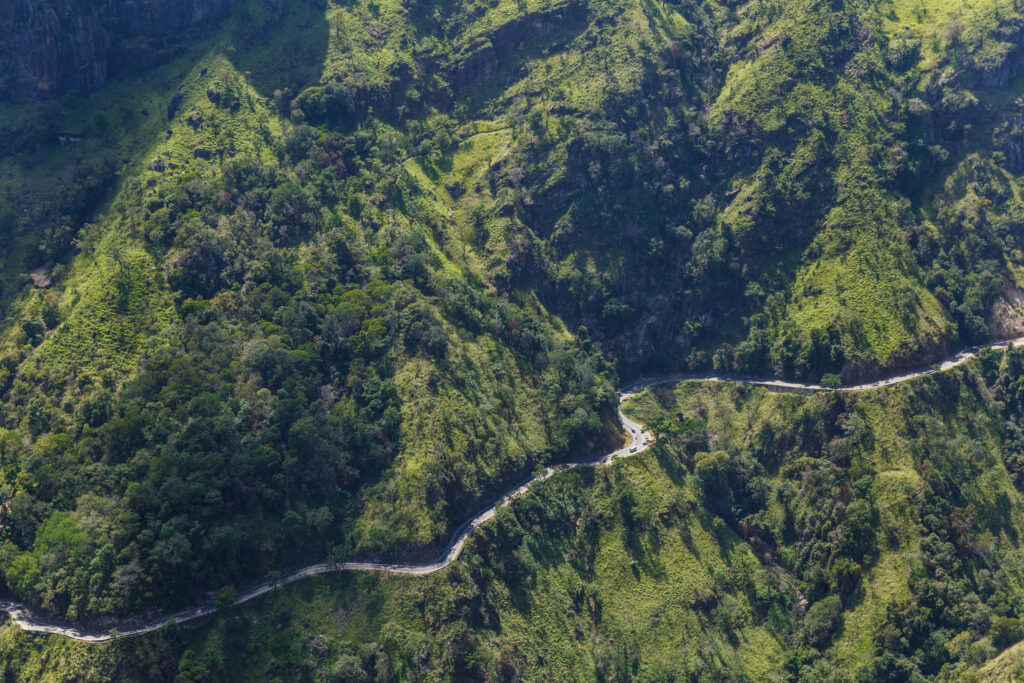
[[284, 282]]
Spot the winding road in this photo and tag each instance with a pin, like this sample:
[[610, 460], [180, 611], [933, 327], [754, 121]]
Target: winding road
[[640, 440]]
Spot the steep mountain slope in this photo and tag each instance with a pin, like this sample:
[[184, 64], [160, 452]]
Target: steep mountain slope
[[260, 354], [867, 536], [318, 279]]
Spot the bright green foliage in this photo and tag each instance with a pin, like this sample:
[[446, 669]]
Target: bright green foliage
[[827, 537], [610, 573], [265, 352], [338, 273], [883, 505]]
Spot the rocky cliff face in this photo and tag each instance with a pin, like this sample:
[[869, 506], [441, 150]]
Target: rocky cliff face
[[49, 47]]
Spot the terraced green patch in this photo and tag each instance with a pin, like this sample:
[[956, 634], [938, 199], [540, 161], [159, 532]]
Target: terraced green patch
[[113, 312], [938, 26]]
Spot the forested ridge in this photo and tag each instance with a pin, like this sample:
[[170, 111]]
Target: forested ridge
[[285, 282]]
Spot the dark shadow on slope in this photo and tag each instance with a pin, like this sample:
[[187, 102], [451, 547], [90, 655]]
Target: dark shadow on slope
[[670, 466], [489, 63], [640, 537], [280, 48]]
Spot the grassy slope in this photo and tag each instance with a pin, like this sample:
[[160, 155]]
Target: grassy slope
[[98, 328], [861, 286], [597, 598], [858, 266], [115, 307], [1006, 667], [893, 458], [623, 572], [856, 278]]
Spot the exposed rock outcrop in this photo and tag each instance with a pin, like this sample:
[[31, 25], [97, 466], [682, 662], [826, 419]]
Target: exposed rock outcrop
[[1007, 315], [50, 47]]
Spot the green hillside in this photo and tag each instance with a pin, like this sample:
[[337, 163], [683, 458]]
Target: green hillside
[[868, 536], [315, 280], [259, 352]]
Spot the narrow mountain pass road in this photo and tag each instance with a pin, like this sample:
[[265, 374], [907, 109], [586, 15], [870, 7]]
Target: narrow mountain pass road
[[639, 441]]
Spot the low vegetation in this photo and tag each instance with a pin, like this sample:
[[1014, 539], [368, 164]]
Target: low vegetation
[[869, 536], [325, 277]]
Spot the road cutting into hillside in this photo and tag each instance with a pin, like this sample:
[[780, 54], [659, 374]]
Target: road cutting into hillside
[[639, 440]]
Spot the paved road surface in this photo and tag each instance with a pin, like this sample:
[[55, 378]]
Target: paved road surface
[[640, 440]]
